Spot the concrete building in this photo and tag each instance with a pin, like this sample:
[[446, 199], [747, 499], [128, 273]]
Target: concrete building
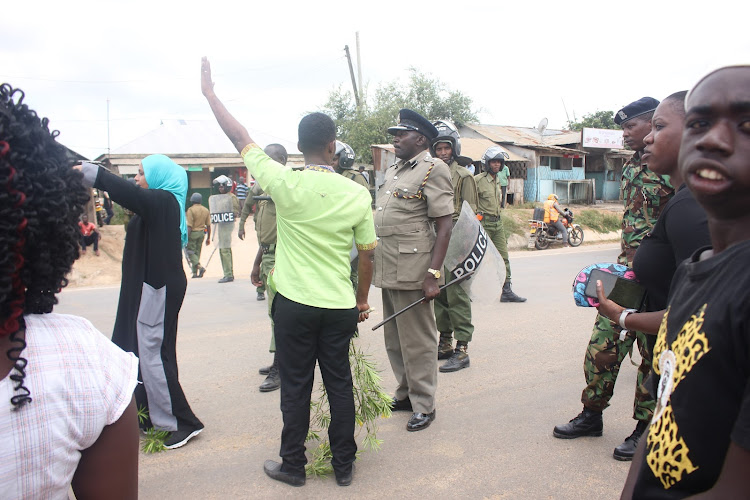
[[201, 147]]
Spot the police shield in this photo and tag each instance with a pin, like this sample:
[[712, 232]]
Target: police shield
[[470, 249], [222, 219]]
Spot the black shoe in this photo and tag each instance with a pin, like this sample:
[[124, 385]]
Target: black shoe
[[420, 421], [587, 423], [201, 272], [265, 370], [272, 381], [509, 296], [180, 438], [458, 361], [273, 470], [626, 450], [194, 275], [261, 296], [226, 279], [445, 347], [401, 405], [345, 479]]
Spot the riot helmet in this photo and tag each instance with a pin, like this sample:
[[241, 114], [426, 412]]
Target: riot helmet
[[223, 181], [447, 132], [345, 154], [493, 153], [196, 198]]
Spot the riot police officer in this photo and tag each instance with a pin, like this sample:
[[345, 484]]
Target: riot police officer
[[489, 208], [452, 306]]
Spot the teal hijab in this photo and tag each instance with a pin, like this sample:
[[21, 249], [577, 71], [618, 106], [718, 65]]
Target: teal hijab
[[163, 173]]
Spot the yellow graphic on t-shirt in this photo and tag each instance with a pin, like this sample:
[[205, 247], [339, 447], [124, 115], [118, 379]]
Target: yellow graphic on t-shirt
[[667, 454]]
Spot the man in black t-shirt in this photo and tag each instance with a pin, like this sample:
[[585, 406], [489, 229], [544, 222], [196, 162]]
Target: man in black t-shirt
[[699, 438]]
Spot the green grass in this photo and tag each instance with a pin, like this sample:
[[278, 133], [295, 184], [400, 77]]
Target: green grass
[[600, 222], [512, 225]]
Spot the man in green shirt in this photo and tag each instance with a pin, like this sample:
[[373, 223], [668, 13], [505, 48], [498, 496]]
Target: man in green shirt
[[318, 214], [489, 209], [453, 306], [502, 179]]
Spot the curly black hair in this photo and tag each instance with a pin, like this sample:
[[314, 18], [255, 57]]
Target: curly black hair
[[41, 199]]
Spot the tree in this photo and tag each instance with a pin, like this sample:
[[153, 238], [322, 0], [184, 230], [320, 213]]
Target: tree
[[367, 125], [598, 119]]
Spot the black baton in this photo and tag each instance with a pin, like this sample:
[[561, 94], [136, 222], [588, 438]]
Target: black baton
[[453, 282]]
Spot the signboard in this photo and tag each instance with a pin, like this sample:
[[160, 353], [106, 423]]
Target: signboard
[[602, 138]]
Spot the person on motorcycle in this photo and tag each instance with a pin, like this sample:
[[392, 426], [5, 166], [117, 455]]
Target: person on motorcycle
[[552, 212]]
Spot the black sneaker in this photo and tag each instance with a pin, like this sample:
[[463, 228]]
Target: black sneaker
[[261, 296], [180, 438]]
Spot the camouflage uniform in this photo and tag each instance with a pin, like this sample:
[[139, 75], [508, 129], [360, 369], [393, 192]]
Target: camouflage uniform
[[645, 194]]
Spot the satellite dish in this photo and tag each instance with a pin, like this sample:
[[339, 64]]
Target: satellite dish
[[542, 126]]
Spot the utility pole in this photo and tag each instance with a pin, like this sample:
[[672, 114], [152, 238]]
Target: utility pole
[[359, 68], [107, 127], [351, 72]]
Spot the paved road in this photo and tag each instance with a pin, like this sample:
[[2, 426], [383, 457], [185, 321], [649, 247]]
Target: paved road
[[493, 434]]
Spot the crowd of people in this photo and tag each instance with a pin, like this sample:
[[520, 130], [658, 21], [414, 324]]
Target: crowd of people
[[684, 231]]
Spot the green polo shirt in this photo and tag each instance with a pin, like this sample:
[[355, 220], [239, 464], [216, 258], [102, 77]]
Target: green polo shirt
[[502, 176], [318, 214]]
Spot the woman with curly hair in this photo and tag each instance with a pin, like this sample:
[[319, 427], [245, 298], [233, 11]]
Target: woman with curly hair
[[67, 415], [153, 287]]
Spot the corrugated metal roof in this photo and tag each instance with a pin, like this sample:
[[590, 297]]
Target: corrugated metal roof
[[526, 136], [474, 148], [194, 137]]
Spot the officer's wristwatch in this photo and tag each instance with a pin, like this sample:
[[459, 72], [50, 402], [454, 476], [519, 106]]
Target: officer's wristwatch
[[435, 273]]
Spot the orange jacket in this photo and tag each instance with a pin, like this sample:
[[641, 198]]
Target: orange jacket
[[550, 212]]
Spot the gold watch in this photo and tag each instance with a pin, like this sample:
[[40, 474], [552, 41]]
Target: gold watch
[[435, 273]]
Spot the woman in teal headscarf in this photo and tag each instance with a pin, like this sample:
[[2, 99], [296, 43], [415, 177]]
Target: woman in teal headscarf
[[153, 287]]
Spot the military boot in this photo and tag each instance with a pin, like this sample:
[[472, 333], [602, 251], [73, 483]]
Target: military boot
[[508, 294], [459, 360], [587, 423], [626, 450], [272, 381], [445, 347]]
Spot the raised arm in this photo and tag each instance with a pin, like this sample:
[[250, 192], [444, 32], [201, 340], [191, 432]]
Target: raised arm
[[231, 127]]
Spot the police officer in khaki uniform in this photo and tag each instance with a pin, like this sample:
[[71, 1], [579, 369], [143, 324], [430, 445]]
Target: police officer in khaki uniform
[[265, 259], [489, 208], [413, 216], [198, 219], [453, 306]]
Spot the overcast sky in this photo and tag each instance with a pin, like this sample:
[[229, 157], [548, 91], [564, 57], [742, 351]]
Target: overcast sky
[[275, 61]]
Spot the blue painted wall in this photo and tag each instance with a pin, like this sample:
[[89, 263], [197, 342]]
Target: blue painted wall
[[546, 177]]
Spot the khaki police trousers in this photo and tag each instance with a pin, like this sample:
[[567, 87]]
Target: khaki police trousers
[[411, 341]]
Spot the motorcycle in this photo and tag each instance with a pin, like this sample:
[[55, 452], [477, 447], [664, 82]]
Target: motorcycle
[[542, 235]]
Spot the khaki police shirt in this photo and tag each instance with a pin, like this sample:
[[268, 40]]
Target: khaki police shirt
[[405, 205], [197, 217], [488, 189], [468, 188]]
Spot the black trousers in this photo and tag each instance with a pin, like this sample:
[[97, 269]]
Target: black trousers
[[305, 334], [92, 239]]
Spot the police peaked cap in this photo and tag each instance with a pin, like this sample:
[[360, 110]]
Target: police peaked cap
[[411, 120], [636, 108]]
